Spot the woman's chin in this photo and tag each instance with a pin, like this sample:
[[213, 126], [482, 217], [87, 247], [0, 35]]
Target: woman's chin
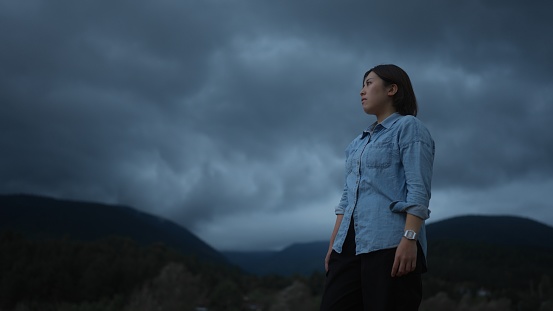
[[368, 110]]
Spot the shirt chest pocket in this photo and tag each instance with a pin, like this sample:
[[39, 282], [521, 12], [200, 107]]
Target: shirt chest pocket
[[378, 155]]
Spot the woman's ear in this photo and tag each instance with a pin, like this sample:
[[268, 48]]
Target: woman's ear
[[392, 89]]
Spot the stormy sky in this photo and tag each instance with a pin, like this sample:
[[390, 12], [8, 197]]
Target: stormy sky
[[230, 117]]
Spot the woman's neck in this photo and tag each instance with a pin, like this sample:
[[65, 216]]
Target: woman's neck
[[382, 116]]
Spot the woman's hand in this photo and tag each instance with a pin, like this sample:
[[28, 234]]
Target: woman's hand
[[332, 237], [327, 258], [405, 260]]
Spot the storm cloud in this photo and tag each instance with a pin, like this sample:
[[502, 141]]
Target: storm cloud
[[231, 117]]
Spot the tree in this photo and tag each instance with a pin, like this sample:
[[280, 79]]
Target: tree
[[174, 289]]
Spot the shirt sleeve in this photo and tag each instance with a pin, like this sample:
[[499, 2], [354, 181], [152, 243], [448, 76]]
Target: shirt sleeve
[[417, 156], [340, 209]]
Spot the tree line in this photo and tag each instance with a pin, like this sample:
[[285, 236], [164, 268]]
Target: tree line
[[117, 273]]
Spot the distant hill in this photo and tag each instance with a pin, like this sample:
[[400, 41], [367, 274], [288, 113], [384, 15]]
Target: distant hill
[[494, 256], [38, 216], [299, 258], [496, 230], [493, 231]]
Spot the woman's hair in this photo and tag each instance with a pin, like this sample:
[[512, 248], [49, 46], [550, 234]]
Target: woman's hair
[[405, 101]]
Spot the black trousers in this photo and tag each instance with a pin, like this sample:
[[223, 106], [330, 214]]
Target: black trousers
[[363, 282]]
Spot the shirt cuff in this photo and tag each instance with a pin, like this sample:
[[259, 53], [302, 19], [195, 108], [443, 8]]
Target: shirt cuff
[[418, 210], [339, 210]]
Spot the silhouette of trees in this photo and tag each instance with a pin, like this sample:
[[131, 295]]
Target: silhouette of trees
[[118, 274], [175, 288]]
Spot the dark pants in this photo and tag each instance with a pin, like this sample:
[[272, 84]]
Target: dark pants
[[363, 282]]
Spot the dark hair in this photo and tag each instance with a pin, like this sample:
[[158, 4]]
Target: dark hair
[[405, 101]]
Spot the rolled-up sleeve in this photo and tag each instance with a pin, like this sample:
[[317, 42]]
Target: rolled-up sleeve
[[417, 157], [341, 207]]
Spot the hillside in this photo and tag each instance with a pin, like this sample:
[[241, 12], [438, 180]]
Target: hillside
[[47, 217], [472, 259], [299, 258], [496, 230], [39, 216]]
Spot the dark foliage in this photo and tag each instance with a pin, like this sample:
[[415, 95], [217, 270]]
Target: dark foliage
[[69, 256], [52, 271], [460, 268]]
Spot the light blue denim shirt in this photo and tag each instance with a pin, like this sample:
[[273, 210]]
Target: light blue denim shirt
[[388, 174]]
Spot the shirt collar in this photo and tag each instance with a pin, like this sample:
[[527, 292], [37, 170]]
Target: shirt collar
[[391, 119]]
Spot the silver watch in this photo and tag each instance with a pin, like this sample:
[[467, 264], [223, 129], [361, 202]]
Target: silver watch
[[410, 235]]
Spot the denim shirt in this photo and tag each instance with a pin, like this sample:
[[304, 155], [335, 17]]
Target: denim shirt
[[388, 174]]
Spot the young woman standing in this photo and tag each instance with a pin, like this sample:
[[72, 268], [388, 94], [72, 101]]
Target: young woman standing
[[377, 249]]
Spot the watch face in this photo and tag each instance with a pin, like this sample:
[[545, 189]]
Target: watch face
[[410, 234]]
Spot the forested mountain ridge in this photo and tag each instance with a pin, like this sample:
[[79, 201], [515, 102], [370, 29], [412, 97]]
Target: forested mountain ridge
[[497, 230], [39, 216], [65, 255], [48, 217]]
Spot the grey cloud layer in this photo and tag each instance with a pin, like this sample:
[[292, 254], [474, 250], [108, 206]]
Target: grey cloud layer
[[201, 110]]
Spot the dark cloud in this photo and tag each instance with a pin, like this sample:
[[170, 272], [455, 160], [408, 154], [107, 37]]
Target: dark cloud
[[234, 115]]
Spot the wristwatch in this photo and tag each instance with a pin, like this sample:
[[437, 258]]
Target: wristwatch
[[410, 235]]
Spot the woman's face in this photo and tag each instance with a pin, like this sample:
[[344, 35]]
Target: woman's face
[[376, 97]]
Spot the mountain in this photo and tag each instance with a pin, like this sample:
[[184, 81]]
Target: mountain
[[299, 258], [39, 216], [497, 232]]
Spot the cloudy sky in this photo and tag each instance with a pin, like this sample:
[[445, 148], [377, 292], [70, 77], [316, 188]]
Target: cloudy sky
[[230, 117]]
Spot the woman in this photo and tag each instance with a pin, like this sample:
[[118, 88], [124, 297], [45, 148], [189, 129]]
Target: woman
[[377, 249]]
